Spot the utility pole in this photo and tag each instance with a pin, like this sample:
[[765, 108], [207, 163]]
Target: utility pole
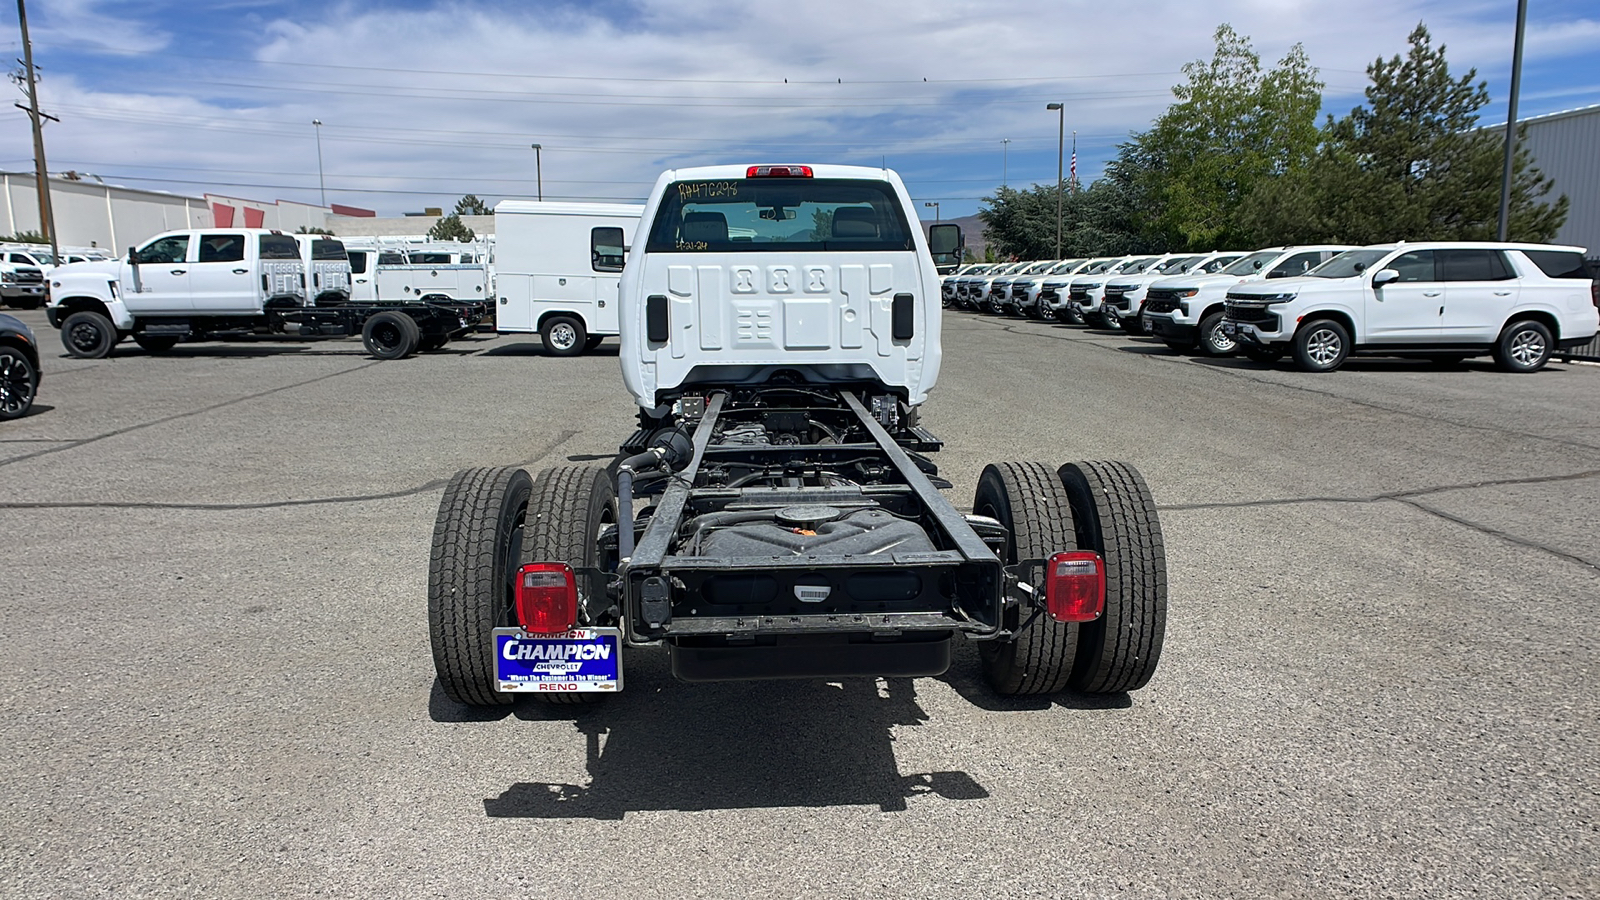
[[1511, 120], [538, 167], [935, 205], [322, 185], [1061, 133], [47, 216]]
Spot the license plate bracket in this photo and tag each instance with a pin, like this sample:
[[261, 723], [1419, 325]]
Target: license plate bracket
[[584, 660]]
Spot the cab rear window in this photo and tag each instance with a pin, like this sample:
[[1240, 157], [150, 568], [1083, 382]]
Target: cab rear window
[[1560, 263], [279, 246], [328, 250], [800, 214]]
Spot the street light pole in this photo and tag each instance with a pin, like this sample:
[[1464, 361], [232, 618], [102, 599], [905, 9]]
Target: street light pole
[[321, 184], [1511, 120], [538, 167], [1061, 140], [1005, 154], [935, 205]]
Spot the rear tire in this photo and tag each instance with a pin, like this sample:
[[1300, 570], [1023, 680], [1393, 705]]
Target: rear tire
[[432, 342], [88, 335], [1321, 346], [569, 507], [1116, 517], [156, 343], [19, 383], [391, 335], [477, 546], [563, 335], [1031, 502], [1524, 346]]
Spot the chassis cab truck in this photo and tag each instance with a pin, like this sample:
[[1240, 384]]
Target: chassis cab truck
[[557, 268], [775, 513], [216, 283]]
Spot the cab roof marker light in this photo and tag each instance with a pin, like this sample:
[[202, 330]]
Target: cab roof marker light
[[778, 172]]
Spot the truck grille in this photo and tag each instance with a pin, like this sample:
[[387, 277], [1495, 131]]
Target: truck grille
[[1253, 315], [1161, 305], [29, 275], [1078, 294]]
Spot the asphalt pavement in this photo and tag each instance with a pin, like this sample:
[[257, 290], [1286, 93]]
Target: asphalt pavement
[[1379, 677]]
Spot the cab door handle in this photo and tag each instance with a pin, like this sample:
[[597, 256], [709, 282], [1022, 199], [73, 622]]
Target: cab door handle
[[1502, 293], [179, 271], [240, 271], [1430, 293]]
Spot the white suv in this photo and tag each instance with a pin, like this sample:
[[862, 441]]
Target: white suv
[[1442, 300], [1186, 310]]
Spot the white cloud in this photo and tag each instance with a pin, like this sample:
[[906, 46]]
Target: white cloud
[[663, 83], [92, 23]]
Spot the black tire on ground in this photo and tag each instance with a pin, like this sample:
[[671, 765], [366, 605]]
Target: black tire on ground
[[156, 343], [1213, 341], [569, 507], [1261, 354], [1321, 345], [1524, 346], [563, 335], [1030, 501], [19, 383], [88, 335], [1133, 324], [593, 341], [1070, 316], [1111, 317], [477, 546], [432, 342], [391, 335], [1116, 516]]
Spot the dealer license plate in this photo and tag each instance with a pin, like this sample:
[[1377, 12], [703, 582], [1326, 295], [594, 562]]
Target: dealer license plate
[[588, 659]]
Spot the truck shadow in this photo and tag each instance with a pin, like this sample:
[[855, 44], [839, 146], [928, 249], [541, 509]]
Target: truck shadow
[[744, 745], [534, 348]]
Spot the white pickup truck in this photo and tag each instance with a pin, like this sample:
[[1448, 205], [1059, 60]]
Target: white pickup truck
[[213, 283], [780, 332]]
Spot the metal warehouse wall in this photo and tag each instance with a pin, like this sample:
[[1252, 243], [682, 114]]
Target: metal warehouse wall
[[1566, 147], [90, 214]]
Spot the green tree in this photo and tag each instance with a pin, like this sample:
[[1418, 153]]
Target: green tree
[[1233, 128], [450, 228], [1414, 165], [27, 237], [303, 229], [470, 205]]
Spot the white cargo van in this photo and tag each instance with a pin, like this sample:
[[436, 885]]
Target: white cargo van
[[557, 266]]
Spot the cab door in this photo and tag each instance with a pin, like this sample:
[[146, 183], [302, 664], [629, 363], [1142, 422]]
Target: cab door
[[1480, 287], [1408, 309], [163, 282], [607, 253], [219, 278]]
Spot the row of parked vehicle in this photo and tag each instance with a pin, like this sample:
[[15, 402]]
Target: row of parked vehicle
[[24, 268], [1445, 301]]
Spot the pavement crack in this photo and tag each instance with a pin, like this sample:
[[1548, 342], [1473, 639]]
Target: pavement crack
[[184, 415], [433, 485], [1410, 498]]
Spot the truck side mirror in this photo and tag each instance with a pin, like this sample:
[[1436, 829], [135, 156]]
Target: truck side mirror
[[133, 256], [1384, 277], [945, 243]]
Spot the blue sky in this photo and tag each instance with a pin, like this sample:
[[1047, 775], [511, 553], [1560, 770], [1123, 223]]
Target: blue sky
[[424, 101]]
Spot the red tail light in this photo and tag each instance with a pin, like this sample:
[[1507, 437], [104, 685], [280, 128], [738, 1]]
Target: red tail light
[[547, 598], [1075, 586], [778, 172]]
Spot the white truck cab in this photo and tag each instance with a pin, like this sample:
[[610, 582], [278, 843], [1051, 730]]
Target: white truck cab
[[557, 270], [745, 272], [327, 269], [1186, 310], [1443, 300]]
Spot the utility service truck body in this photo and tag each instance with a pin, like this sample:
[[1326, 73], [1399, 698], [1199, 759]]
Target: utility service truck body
[[558, 265]]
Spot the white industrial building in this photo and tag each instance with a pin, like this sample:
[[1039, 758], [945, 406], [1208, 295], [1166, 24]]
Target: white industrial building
[[1564, 147], [90, 213]]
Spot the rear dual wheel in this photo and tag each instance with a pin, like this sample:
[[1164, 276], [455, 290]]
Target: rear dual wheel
[[490, 522], [391, 335], [1100, 506]]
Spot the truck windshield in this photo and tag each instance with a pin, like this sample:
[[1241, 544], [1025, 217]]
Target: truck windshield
[[1348, 264], [789, 214], [1253, 263]]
